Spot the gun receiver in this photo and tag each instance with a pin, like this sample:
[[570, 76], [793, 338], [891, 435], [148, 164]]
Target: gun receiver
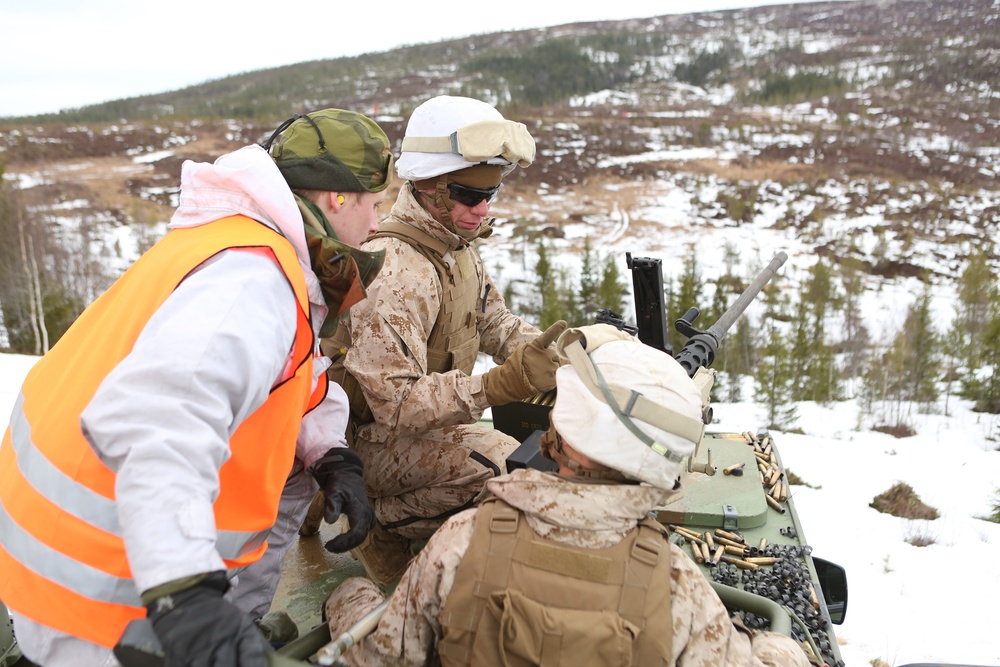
[[650, 310]]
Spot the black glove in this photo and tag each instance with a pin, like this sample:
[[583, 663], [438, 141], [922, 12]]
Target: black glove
[[339, 474], [199, 629]]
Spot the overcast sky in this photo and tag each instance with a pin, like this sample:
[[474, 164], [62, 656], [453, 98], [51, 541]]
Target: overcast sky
[[60, 54]]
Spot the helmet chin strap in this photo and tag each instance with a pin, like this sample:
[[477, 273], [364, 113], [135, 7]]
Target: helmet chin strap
[[551, 446], [445, 205], [441, 200]]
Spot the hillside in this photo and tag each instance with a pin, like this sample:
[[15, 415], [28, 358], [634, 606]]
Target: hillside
[[864, 133]]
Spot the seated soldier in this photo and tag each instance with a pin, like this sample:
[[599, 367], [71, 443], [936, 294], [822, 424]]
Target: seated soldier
[[566, 568]]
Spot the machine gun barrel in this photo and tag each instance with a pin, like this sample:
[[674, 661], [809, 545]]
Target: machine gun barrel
[[729, 318], [701, 347]]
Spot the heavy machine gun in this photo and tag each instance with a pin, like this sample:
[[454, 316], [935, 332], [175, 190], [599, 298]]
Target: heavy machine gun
[[740, 527]]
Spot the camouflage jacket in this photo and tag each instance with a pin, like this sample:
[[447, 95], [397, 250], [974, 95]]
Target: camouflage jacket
[[389, 333], [583, 514]]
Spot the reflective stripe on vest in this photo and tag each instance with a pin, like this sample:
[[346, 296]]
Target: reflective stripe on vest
[[62, 557]]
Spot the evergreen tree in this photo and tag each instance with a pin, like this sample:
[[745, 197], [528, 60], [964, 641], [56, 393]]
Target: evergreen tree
[[690, 285], [550, 309], [736, 359], [879, 396], [922, 351], [821, 294], [909, 370], [856, 339], [572, 307], [800, 351], [685, 294], [977, 293], [985, 387], [588, 285], [773, 381], [611, 289], [816, 377]]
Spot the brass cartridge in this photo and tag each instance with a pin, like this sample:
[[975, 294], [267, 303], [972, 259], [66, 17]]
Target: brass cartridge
[[733, 468], [740, 563], [774, 503], [762, 560], [686, 532], [717, 556], [726, 542], [729, 536]]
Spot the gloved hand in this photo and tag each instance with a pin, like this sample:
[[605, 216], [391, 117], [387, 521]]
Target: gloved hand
[[200, 629], [339, 474], [531, 368]]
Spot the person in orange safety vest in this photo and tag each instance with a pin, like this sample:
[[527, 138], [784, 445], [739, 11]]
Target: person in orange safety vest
[[167, 448]]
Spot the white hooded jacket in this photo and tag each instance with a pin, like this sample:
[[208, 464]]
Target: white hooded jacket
[[205, 361]]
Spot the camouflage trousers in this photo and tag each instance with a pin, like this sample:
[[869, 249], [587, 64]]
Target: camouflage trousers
[[417, 481]]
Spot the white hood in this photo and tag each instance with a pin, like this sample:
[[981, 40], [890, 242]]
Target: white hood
[[244, 182]]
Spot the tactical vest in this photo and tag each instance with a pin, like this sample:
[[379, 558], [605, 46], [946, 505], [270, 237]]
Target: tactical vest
[[454, 339], [519, 599]]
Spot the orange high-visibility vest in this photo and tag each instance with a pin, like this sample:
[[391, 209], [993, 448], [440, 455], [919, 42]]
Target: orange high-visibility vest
[[62, 558]]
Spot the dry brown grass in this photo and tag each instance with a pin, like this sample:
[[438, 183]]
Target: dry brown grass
[[895, 430], [919, 535], [902, 501], [756, 170], [795, 480]]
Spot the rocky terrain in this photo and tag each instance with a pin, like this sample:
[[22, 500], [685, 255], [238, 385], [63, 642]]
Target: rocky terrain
[[852, 130]]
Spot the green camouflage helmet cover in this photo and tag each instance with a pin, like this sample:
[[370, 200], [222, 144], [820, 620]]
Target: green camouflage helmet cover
[[332, 150]]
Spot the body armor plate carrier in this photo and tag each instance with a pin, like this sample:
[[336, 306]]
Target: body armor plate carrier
[[519, 599]]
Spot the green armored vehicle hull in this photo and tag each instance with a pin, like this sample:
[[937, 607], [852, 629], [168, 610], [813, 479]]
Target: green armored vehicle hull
[[754, 550], [736, 519]]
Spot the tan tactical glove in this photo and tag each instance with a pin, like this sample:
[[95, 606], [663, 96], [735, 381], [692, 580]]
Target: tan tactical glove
[[530, 369]]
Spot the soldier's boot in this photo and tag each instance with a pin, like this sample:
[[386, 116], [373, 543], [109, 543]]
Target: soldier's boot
[[383, 554], [314, 518]]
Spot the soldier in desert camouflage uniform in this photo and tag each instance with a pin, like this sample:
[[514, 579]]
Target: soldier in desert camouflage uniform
[[413, 343], [584, 546]]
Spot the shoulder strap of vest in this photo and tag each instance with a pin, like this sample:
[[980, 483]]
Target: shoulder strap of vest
[[411, 235], [649, 550], [503, 523], [428, 246]]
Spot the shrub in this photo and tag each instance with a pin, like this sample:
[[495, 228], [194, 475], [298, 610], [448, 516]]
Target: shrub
[[902, 501], [919, 535], [795, 480], [900, 430]]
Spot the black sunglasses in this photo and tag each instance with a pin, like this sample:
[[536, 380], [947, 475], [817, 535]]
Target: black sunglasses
[[472, 197]]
